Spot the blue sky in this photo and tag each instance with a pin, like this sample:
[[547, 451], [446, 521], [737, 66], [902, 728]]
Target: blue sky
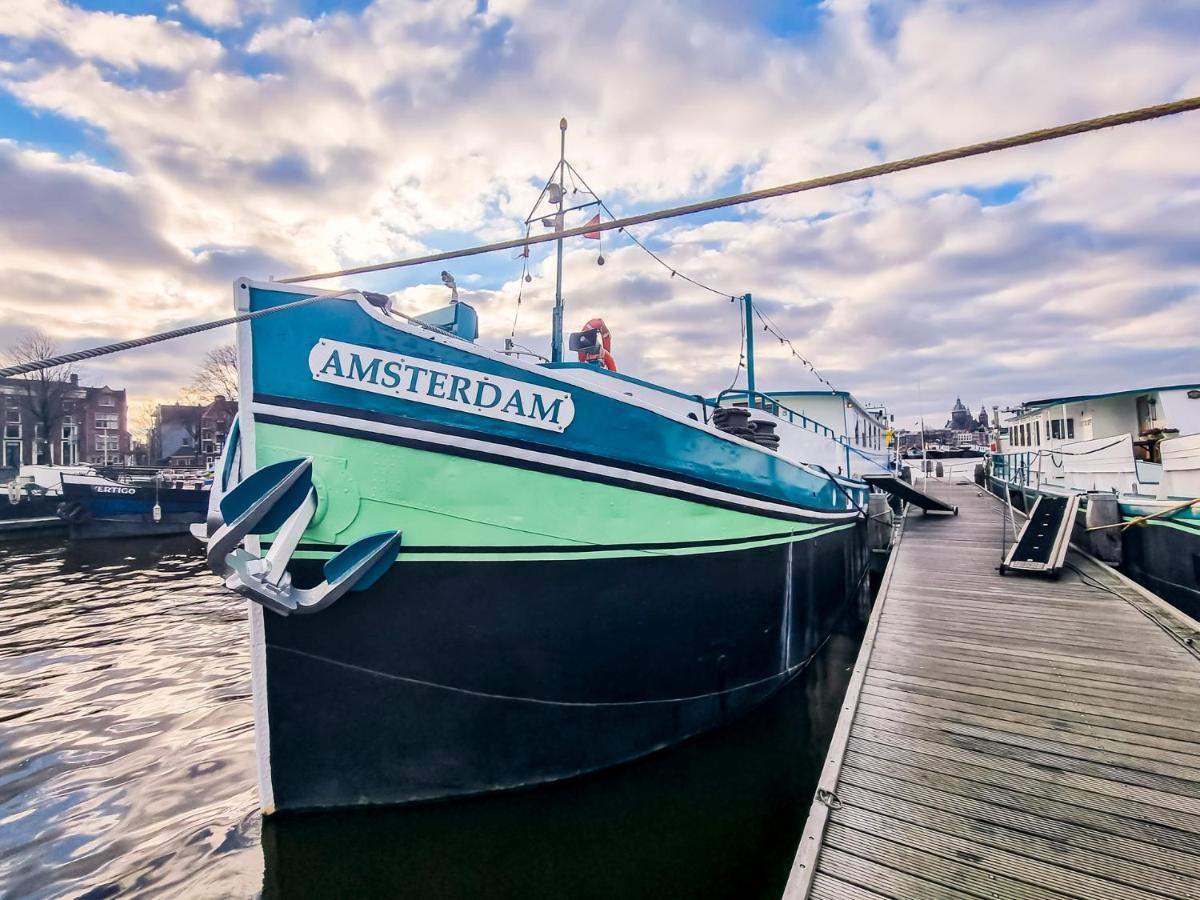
[[150, 152]]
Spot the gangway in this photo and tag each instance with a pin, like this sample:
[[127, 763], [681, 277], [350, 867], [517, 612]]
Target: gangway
[[905, 491], [1041, 546]]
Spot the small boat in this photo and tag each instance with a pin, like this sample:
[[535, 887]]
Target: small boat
[[1140, 446], [469, 571], [95, 506]]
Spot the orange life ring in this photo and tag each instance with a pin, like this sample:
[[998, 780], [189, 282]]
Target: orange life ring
[[604, 355]]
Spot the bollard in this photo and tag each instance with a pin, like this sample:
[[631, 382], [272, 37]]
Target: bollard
[[906, 474], [980, 476], [1103, 509], [940, 470]]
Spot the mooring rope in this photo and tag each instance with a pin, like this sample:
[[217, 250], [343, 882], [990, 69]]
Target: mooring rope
[[914, 162], [66, 358]]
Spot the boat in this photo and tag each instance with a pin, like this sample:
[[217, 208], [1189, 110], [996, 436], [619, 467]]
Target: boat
[[95, 506], [471, 570], [1140, 446]]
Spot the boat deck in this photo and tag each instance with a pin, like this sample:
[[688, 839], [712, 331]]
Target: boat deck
[[1009, 737]]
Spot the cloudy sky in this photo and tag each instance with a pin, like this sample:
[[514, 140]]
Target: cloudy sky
[[152, 151]]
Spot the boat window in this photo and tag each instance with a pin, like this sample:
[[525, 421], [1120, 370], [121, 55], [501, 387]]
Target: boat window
[[1037, 433], [1070, 428]]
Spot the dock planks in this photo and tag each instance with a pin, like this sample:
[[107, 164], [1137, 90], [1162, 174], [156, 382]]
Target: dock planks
[[1009, 737]]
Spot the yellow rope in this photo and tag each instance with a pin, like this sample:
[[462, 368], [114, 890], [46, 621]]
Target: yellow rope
[[1142, 520]]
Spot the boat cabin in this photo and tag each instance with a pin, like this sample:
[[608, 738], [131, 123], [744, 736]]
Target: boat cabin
[[1144, 441]]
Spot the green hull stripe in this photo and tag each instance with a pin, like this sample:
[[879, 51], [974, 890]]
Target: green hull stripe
[[438, 500]]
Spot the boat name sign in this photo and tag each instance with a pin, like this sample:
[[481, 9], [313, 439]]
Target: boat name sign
[[438, 384]]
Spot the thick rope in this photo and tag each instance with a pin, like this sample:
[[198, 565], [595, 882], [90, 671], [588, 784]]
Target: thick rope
[[1033, 137], [38, 365], [915, 162]]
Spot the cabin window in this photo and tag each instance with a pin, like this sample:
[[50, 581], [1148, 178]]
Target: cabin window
[[1057, 431]]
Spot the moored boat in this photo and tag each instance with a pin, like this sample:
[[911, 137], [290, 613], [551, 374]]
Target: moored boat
[[95, 506], [470, 571]]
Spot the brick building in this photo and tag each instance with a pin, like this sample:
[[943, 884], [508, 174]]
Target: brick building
[[186, 435], [86, 424]]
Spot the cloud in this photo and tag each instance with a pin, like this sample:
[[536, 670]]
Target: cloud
[[319, 142], [122, 41]]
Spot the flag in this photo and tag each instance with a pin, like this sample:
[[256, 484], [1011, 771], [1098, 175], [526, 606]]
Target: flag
[[594, 235]]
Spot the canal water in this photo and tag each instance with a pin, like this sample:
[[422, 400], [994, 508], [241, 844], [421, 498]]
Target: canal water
[[127, 767]]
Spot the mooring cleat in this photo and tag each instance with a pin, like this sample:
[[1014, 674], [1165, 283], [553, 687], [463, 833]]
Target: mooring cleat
[[355, 568], [264, 502]]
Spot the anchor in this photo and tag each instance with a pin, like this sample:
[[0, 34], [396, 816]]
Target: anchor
[[281, 498]]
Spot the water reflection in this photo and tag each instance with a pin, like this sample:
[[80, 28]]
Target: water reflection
[[127, 766]]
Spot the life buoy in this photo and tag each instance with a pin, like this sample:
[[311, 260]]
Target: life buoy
[[604, 355]]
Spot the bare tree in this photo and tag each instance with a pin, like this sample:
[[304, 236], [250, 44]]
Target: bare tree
[[46, 389], [217, 376]]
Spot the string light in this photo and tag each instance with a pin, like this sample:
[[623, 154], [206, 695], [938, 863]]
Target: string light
[[768, 325]]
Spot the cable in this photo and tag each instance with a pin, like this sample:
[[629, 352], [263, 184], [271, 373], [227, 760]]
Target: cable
[[772, 328], [1084, 126], [38, 365], [902, 165]]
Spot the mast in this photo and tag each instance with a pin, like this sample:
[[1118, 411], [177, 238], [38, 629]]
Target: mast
[[556, 329], [748, 303]]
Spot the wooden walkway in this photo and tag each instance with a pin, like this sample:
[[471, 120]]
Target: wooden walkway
[[1009, 737]]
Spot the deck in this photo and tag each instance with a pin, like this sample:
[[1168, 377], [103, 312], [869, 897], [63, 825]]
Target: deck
[[1009, 737]]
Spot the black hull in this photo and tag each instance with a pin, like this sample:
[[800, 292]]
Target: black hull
[[1167, 561], [457, 678], [131, 527]]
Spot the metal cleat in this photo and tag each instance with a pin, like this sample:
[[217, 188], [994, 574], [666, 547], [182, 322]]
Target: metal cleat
[[268, 500], [355, 568]]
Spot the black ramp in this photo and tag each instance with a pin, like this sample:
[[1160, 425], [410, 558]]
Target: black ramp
[[1042, 545], [906, 491]]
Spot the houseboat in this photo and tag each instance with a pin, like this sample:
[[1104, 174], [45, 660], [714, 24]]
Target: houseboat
[[1143, 446], [471, 572]]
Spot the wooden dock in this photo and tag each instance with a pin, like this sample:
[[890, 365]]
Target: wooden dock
[[1009, 737]]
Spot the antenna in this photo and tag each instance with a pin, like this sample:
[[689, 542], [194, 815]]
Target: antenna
[[556, 197]]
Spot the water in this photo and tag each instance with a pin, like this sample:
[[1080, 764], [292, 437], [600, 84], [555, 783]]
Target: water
[[127, 767]]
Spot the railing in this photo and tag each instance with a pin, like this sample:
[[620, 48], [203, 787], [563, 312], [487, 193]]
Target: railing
[[758, 400]]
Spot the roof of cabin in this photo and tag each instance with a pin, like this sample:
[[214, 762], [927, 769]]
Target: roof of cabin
[[1058, 401]]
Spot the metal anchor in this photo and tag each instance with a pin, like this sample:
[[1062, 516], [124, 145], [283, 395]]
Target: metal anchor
[[280, 498]]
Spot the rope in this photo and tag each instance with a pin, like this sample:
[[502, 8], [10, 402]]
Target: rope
[[1142, 520], [914, 162], [38, 365]]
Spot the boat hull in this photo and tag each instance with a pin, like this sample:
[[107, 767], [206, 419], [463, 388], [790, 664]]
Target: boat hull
[[454, 678], [585, 574], [98, 509]]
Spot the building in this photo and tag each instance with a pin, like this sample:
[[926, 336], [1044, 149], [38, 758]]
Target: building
[[84, 424], [215, 422], [191, 435]]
